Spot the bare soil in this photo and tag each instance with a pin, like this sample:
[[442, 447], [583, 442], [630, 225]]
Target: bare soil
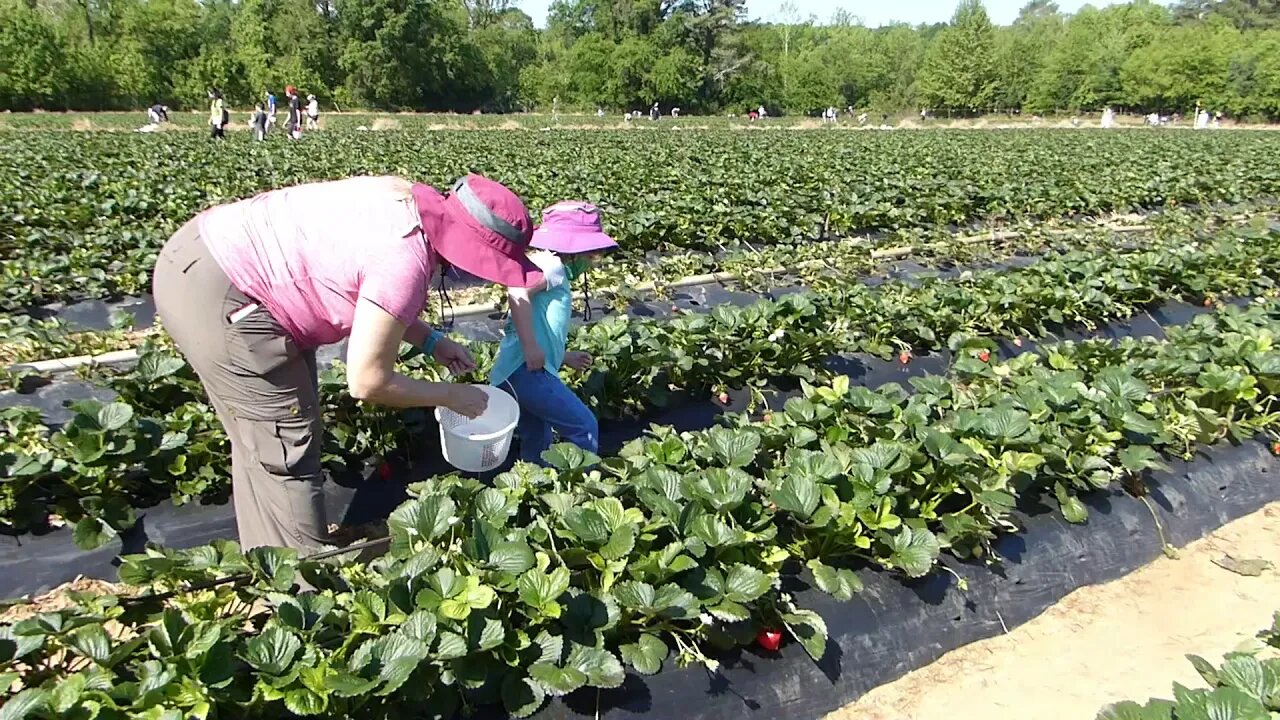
[[59, 598], [1125, 640]]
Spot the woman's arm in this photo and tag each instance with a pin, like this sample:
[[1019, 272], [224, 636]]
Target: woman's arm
[[372, 351], [417, 333]]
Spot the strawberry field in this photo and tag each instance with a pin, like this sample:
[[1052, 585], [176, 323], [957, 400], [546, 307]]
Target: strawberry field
[[775, 446], [82, 214]]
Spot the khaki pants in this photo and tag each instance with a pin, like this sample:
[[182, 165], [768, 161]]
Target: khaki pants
[[263, 389]]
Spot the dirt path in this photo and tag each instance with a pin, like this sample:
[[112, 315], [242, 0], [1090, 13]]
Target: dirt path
[[1125, 640]]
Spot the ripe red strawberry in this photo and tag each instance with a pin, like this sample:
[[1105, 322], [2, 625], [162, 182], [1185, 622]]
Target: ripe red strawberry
[[1208, 302], [904, 357], [723, 398], [984, 356], [769, 639], [768, 417], [384, 470], [1275, 448], [1017, 342]]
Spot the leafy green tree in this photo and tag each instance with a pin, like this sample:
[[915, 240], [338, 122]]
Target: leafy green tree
[[1181, 67], [1021, 50], [625, 54], [1253, 76], [710, 30], [509, 43], [1243, 14], [409, 54], [1082, 70], [904, 50], [675, 78], [811, 84], [959, 69], [32, 53]]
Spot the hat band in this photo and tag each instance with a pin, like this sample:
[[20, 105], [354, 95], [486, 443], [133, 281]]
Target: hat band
[[571, 206], [482, 214]]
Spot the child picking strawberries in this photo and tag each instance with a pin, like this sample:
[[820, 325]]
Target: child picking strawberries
[[534, 346]]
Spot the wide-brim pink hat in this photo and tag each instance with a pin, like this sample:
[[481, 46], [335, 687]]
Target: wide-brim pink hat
[[480, 227], [572, 227]]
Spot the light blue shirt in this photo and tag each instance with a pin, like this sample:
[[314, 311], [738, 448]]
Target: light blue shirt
[[552, 311]]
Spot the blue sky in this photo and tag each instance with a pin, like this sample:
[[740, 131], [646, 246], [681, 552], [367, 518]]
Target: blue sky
[[872, 12]]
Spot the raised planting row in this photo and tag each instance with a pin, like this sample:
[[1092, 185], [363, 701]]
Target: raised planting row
[[618, 282], [555, 580], [160, 439], [1246, 686], [82, 215]]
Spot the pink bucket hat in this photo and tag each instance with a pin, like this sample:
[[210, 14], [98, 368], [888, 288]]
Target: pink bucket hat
[[572, 227], [482, 228]]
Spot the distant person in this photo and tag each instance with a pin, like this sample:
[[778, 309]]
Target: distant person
[[924, 114], [1217, 120], [158, 114], [763, 113], [753, 115], [259, 123], [675, 112], [654, 113], [293, 121], [862, 119], [218, 115], [313, 113], [271, 108], [599, 112], [1108, 117]]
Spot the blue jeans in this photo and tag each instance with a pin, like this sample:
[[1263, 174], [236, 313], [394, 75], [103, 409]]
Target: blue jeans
[[547, 405]]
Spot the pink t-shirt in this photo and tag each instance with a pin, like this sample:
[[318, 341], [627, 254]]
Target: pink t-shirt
[[309, 252]]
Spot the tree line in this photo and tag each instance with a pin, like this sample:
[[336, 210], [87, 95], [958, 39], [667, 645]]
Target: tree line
[[700, 55]]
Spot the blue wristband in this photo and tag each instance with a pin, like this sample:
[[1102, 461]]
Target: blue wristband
[[429, 345]]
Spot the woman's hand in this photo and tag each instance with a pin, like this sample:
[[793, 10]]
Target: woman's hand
[[454, 356], [579, 361], [372, 352], [467, 400]]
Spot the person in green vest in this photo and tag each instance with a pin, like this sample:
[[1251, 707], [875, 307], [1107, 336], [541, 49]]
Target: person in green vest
[[218, 116]]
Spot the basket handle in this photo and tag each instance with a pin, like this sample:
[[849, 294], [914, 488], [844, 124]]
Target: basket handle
[[514, 394]]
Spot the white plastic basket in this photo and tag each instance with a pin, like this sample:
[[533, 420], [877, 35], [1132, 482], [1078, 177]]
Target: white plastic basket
[[479, 444]]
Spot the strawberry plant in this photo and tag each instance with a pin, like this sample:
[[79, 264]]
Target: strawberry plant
[[1245, 686], [643, 362], [553, 580], [84, 214]]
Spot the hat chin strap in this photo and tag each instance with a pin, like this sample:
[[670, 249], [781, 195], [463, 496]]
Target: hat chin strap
[[482, 214]]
